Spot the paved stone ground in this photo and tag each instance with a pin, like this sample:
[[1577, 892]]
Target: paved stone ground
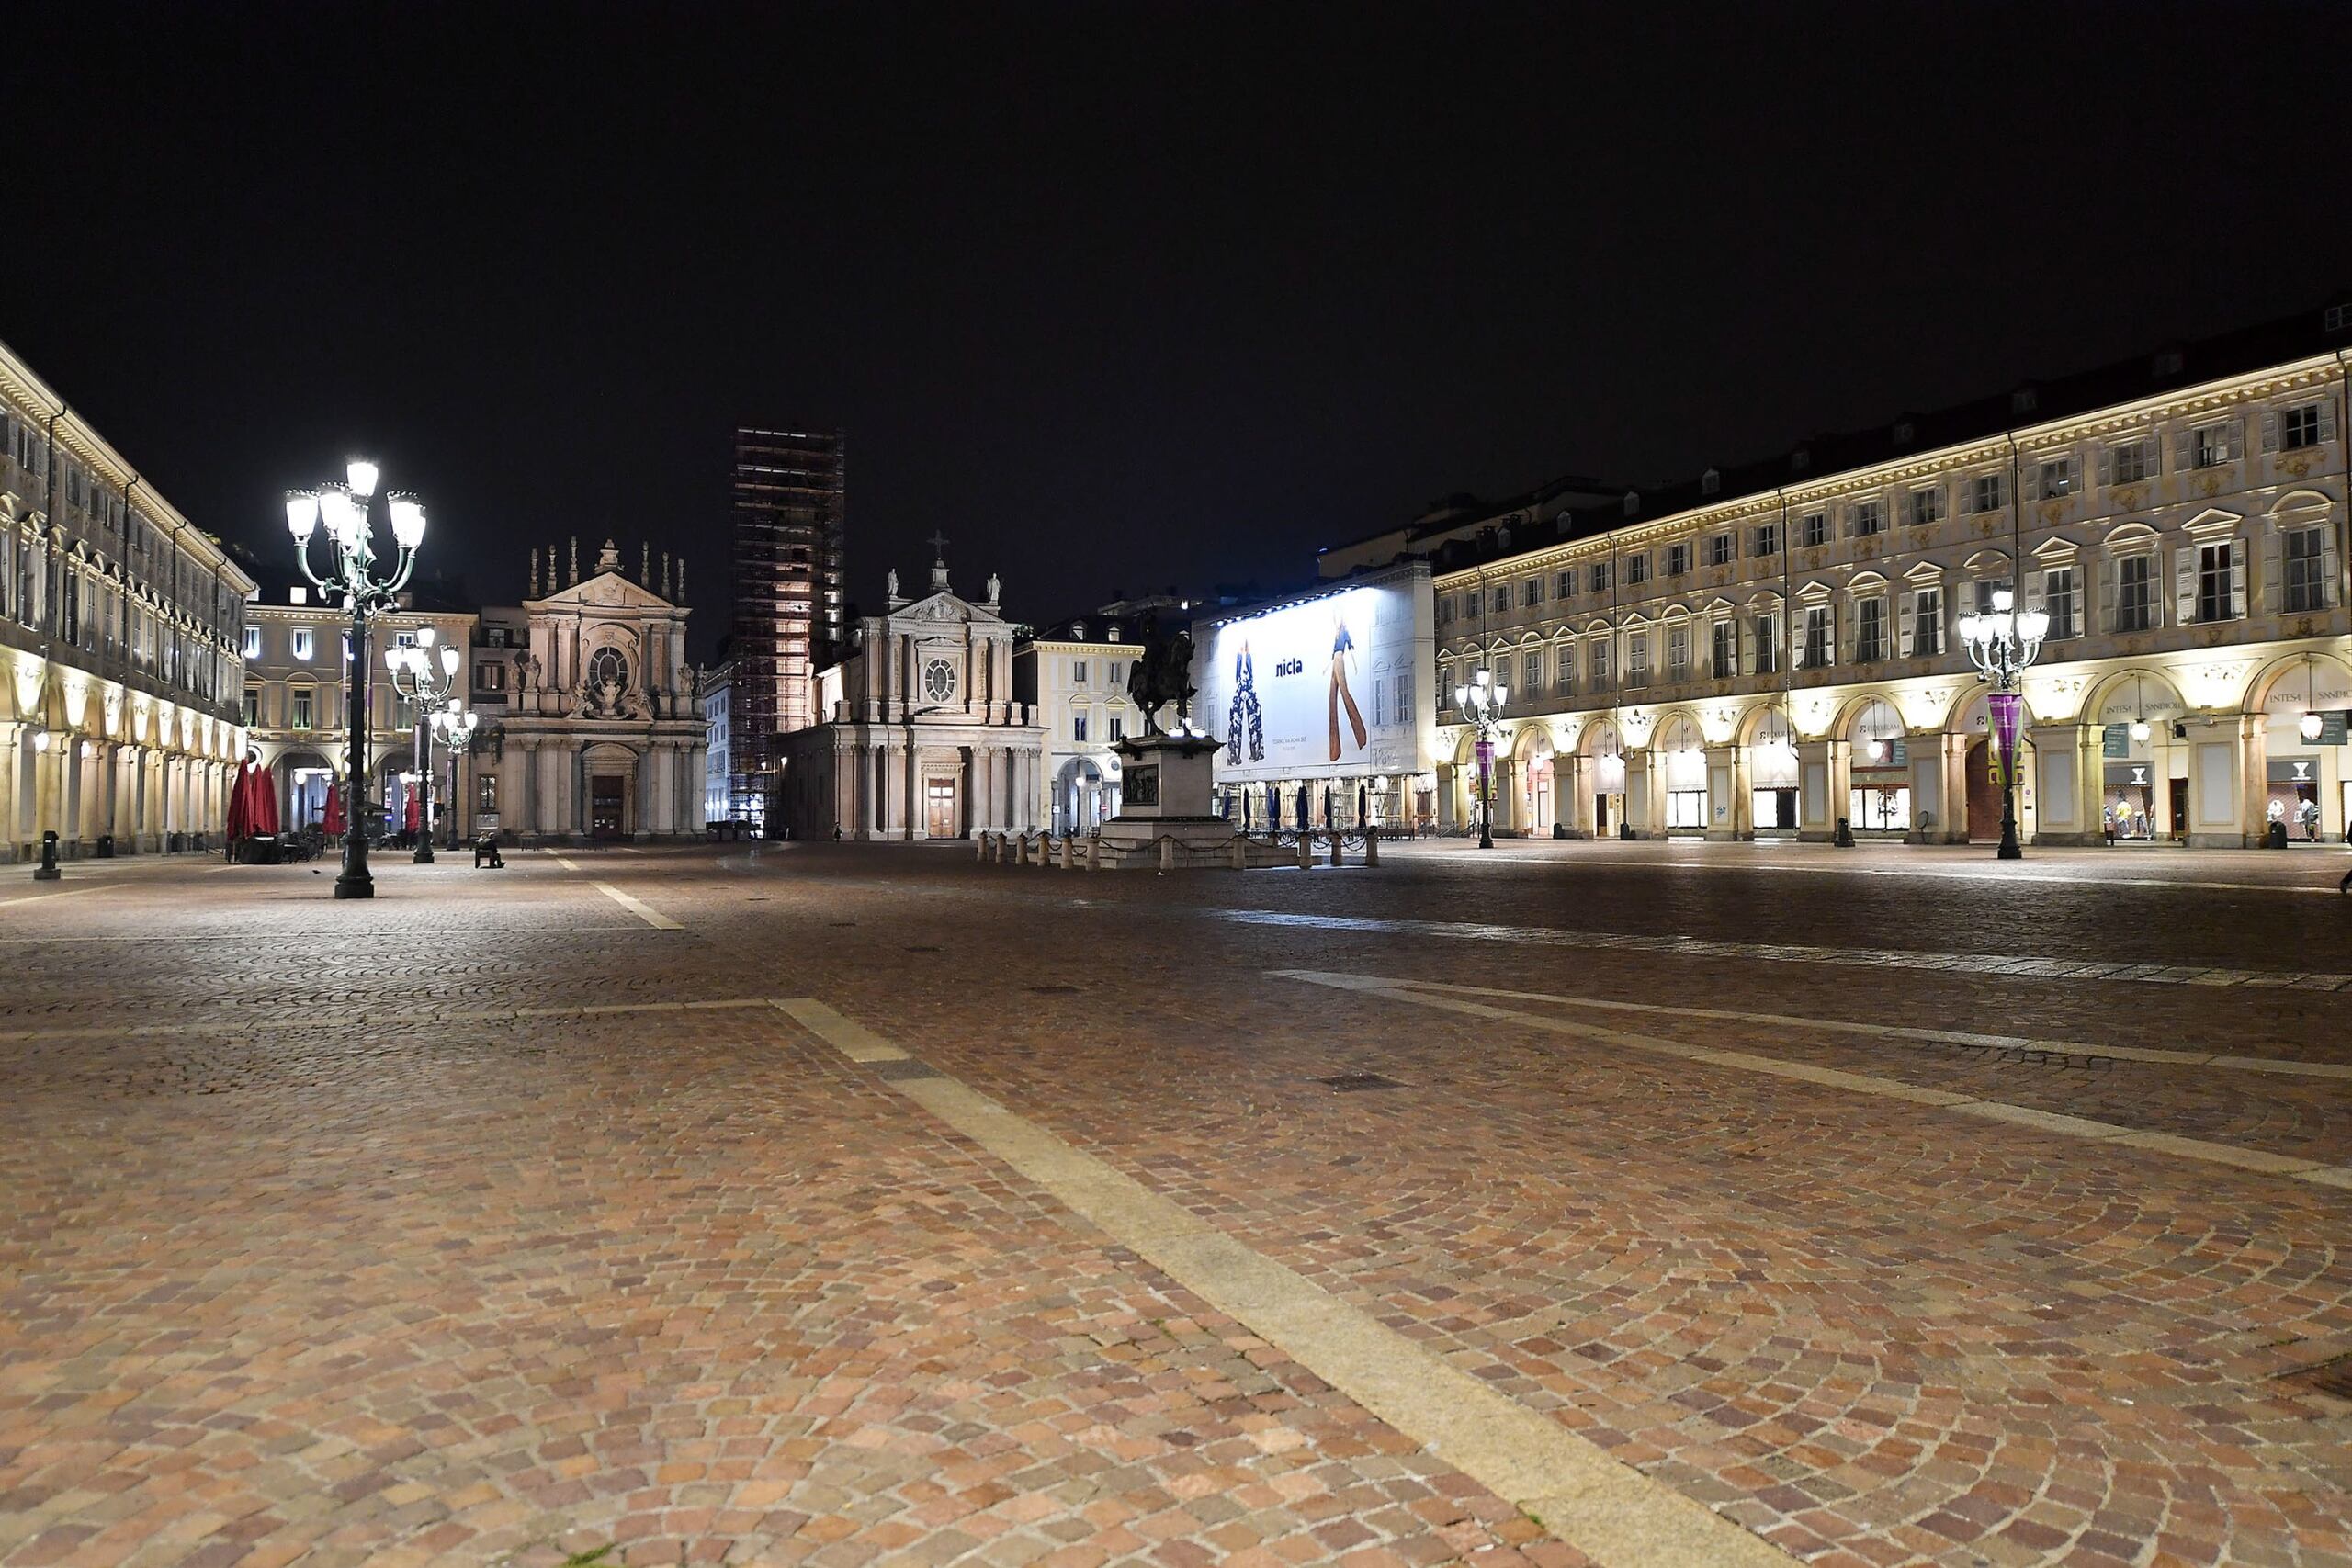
[[354, 1233]]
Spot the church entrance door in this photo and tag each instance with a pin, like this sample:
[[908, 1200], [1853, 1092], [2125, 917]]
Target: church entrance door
[[939, 812], [605, 805]]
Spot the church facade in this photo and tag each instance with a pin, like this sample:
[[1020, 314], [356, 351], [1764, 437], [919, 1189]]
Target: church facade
[[922, 735], [603, 739]]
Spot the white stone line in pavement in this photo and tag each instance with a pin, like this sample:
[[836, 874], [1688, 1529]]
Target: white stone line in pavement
[[1610, 1511], [1931, 872], [59, 892], [638, 907], [2081, 1127], [478, 1015], [1792, 953], [2279, 1065]]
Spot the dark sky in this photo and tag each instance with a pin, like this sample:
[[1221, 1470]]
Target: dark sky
[[1117, 296]]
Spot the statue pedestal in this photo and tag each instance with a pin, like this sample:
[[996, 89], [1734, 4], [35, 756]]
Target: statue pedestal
[[1164, 796]]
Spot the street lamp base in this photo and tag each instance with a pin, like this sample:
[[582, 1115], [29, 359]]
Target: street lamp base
[[423, 855], [2008, 850], [355, 886]]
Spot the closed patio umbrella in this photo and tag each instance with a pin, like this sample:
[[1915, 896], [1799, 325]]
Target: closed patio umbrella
[[264, 816], [238, 824], [332, 824], [413, 819]]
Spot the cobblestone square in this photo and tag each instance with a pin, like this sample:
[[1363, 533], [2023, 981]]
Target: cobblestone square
[[1638, 1204]]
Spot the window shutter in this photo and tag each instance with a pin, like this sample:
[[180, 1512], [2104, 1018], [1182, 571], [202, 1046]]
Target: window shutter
[[2184, 450], [2184, 584], [2107, 575], [2327, 568], [2237, 437], [2273, 577], [2270, 429], [1902, 628], [2034, 584], [2105, 467], [1746, 646], [2237, 578], [2327, 419]]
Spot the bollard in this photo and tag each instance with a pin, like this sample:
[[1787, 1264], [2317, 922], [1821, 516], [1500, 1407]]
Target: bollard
[[1305, 850], [1240, 853], [1094, 854], [1046, 853], [1021, 848], [47, 870], [1167, 855], [1844, 839], [1370, 845], [1336, 840], [980, 843], [1070, 855]]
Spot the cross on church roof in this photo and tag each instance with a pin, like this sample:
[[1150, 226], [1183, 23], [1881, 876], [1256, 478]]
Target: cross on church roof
[[939, 547]]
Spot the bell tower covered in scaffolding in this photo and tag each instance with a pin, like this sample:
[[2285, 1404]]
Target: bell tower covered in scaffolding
[[790, 564]]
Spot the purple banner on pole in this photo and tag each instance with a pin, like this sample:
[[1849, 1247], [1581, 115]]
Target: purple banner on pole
[[1486, 752], [2008, 720]]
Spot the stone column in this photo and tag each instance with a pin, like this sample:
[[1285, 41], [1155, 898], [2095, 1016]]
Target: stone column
[[1731, 800], [1652, 787], [11, 769], [894, 822], [1825, 781], [2068, 789]]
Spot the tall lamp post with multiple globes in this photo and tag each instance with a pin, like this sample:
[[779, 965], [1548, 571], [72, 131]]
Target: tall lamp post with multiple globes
[[2001, 643], [1481, 702], [454, 725], [343, 510], [412, 678]]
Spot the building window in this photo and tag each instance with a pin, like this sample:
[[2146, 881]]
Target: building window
[[1637, 659], [2129, 462], [1722, 661], [1564, 586], [1078, 725], [1816, 529], [300, 642], [1927, 623], [490, 676], [1637, 569], [253, 707], [486, 792], [1927, 505], [2061, 601], [2134, 605], [1597, 577], [1677, 559], [1870, 630], [1530, 592], [2057, 478], [1768, 539], [1986, 493], [1719, 550], [1531, 669], [1868, 519], [2216, 581], [1502, 598], [1077, 672], [1767, 644], [1114, 674], [1818, 649], [1564, 666], [1599, 661], [1678, 653], [1118, 727], [2210, 447], [2305, 550], [252, 642], [302, 708], [2298, 427]]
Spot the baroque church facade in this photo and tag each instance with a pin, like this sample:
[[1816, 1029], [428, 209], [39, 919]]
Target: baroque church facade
[[603, 739], [921, 736]]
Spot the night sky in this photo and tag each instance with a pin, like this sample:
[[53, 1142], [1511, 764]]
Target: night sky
[[1117, 297]]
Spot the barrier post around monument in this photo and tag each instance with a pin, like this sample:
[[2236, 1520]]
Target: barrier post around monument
[[1370, 845]]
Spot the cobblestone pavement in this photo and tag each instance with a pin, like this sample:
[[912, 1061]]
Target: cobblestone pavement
[[489, 1221]]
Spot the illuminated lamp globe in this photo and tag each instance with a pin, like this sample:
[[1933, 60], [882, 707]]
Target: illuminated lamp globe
[[301, 514], [425, 635], [1970, 626], [408, 520], [340, 514], [362, 475], [448, 659], [2140, 729], [2003, 600], [2312, 726]]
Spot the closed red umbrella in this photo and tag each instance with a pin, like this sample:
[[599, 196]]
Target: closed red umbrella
[[264, 803], [414, 818], [240, 817], [333, 822]]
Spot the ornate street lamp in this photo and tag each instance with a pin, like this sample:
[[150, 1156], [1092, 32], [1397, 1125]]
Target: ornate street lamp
[[454, 725], [2001, 644], [344, 510], [412, 678], [1481, 701]]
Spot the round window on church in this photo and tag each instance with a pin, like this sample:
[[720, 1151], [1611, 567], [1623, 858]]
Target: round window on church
[[607, 667], [939, 679]]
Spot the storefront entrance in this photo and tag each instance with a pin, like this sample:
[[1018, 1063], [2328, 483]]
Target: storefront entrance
[[940, 817], [2128, 814], [606, 793]]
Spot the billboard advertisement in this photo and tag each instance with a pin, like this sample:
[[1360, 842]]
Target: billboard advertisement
[[1335, 685]]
